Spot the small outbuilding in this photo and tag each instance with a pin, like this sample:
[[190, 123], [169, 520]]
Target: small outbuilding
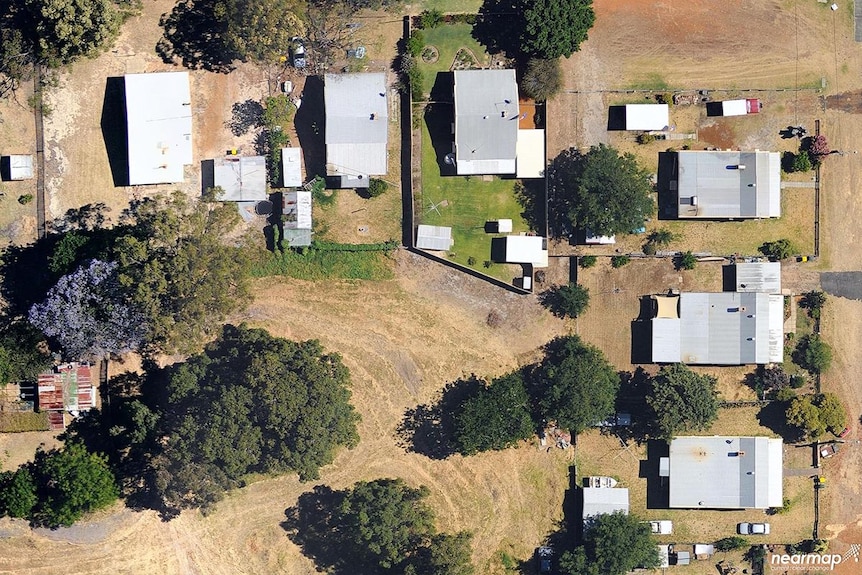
[[67, 390], [291, 167], [647, 117], [434, 238], [16, 167], [242, 178], [604, 500], [763, 277], [296, 216], [520, 250]]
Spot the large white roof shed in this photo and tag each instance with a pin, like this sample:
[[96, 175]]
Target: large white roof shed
[[159, 122], [520, 250], [357, 124], [605, 500], [726, 472], [728, 184], [647, 117], [486, 121]]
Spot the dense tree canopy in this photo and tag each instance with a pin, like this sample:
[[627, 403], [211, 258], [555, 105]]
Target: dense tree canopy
[[599, 190], [542, 79], [813, 354], [814, 415], [576, 385], [58, 487], [544, 29], [178, 271], [682, 400], [496, 418], [58, 32], [570, 300], [261, 30], [614, 544], [379, 527], [250, 403]]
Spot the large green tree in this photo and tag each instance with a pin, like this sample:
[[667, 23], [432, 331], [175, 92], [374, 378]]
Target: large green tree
[[682, 400], [545, 29], [814, 415], [614, 544], [813, 354], [177, 270], [575, 383], [542, 79], [600, 190], [58, 32], [250, 402], [496, 418], [59, 486], [385, 521], [260, 30]]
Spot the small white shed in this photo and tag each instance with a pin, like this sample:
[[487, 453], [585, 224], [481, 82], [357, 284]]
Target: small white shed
[[18, 167], [646, 117]]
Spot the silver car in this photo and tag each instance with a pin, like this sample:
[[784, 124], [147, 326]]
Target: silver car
[[753, 528]]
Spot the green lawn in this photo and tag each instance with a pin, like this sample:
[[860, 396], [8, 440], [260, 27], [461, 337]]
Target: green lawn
[[471, 202], [450, 6], [448, 38]]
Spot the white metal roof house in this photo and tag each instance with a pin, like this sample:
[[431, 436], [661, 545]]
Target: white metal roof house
[[486, 121], [725, 472], [520, 250], [243, 178], [357, 126], [159, 125], [647, 117], [291, 167], [724, 328], [604, 500], [728, 184]]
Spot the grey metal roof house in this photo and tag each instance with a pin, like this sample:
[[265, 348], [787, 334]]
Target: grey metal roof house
[[604, 500], [728, 184], [243, 178], [486, 121], [762, 277], [725, 472], [357, 125], [724, 328]]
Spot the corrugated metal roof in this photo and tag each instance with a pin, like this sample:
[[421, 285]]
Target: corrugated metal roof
[[486, 121], [68, 388], [297, 210], [722, 190], [291, 167], [438, 238], [604, 500], [647, 117], [762, 277], [523, 250], [159, 118], [725, 328], [243, 178], [357, 124], [20, 167], [726, 472], [531, 154]]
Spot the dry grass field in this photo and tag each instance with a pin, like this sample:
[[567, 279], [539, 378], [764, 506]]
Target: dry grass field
[[403, 339]]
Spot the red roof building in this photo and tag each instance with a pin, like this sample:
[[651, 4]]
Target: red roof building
[[67, 389]]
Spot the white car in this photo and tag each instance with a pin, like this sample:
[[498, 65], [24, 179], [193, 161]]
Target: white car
[[753, 528]]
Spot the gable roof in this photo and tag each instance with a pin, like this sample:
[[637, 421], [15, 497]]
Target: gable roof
[[159, 125], [728, 184], [726, 472], [604, 500], [724, 328], [357, 124], [68, 388], [243, 178], [486, 121]]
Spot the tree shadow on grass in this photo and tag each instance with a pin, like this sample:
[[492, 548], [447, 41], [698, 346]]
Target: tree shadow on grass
[[773, 416], [429, 429], [531, 196], [312, 525], [196, 37]]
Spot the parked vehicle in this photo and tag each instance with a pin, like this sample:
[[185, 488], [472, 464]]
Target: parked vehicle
[[844, 432], [297, 52], [753, 528], [544, 555], [827, 450]]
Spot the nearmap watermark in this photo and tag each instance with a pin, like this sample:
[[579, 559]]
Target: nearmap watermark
[[789, 562]]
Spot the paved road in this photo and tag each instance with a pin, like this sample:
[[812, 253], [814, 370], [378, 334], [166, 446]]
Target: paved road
[[842, 284]]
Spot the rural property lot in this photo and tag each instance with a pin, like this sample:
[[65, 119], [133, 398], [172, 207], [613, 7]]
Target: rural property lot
[[405, 338]]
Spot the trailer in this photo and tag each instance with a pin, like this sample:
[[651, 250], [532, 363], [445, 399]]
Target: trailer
[[741, 107]]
